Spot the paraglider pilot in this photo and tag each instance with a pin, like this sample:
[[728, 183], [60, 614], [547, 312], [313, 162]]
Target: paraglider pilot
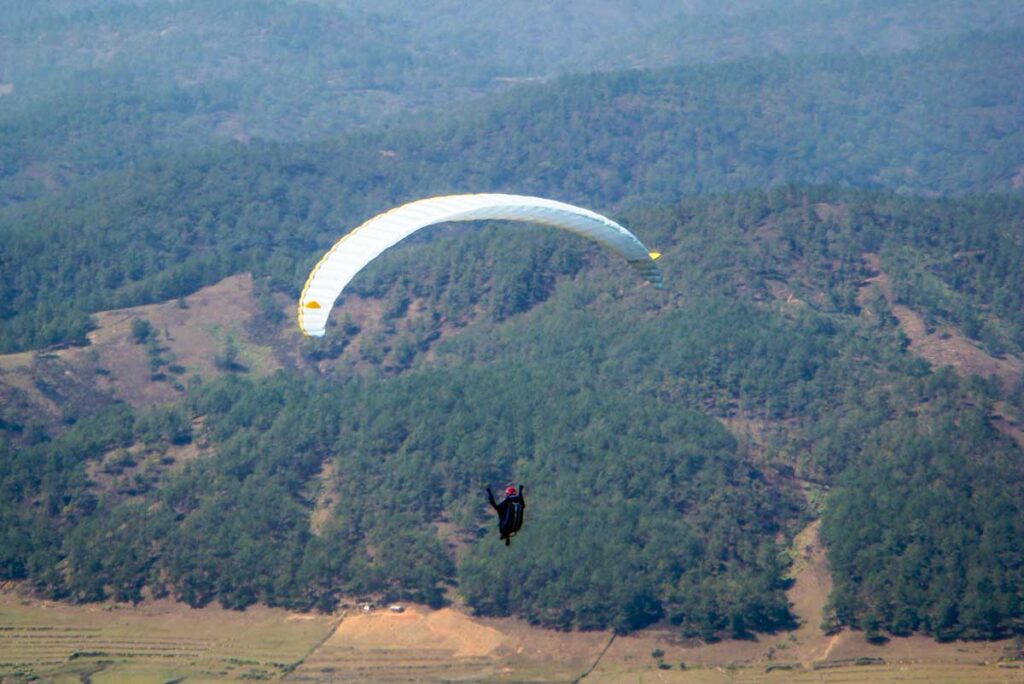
[[510, 512]]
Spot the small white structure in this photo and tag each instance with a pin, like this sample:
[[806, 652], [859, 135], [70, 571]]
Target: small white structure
[[396, 608]]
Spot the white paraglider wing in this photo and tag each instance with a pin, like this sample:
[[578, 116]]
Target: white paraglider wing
[[361, 246]]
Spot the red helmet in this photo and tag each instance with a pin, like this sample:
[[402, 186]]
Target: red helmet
[[510, 491]]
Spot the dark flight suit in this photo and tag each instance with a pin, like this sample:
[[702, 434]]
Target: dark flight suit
[[510, 514]]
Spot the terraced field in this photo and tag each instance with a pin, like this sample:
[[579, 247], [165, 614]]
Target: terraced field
[[158, 642], [350, 664]]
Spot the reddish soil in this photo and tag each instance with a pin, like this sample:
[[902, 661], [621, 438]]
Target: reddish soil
[[945, 346], [326, 498], [113, 365], [1017, 182]]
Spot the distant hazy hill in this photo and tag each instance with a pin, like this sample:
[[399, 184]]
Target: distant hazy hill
[[611, 140], [88, 86]]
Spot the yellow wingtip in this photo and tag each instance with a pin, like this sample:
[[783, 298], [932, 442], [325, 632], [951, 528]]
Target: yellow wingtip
[[655, 256]]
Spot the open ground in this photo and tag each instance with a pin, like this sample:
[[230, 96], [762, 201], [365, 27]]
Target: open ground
[[161, 641]]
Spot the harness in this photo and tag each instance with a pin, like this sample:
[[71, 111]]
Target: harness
[[512, 519]]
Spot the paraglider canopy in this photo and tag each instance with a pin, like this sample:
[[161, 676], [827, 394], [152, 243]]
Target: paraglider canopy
[[363, 244]]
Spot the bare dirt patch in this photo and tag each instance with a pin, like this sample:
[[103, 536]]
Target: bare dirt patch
[[232, 127], [808, 596], [786, 299], [17, 390], [944, 346], [831, 212], [446, 645], [1017, 182], [46, 174], [455, 539], [194, 331], [326, 498], [421, 644], [1003, 421], [43, 388], [188, 335], [878, 277], [758, 435], [420, 628]]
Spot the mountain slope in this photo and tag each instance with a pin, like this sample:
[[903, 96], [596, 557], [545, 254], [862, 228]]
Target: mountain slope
[[605, 398], [610, 141], [90, 87]]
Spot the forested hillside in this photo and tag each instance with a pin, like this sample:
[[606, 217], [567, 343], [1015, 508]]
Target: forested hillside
[[615, 140], [602, 396], [841, 336]]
